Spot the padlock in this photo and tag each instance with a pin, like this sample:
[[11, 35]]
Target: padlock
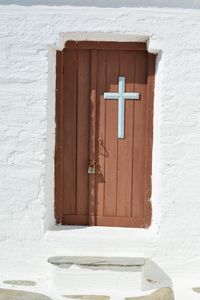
[[91, 170], [91, 167]]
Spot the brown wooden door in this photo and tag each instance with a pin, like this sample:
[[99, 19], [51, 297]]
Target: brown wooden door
[[118, 194]]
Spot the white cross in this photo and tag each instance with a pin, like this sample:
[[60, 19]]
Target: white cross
[[121, 96]]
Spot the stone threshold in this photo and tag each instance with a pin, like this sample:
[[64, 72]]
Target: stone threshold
[[97, 261]]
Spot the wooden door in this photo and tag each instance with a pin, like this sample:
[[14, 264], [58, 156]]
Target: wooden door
[[118, 194]]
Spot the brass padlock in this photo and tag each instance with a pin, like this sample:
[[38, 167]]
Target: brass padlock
[[91, 167]]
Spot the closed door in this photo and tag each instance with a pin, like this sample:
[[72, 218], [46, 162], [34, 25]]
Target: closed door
[[104, 112]]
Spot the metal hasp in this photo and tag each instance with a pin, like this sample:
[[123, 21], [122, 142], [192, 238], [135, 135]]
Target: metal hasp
[[121, 96]]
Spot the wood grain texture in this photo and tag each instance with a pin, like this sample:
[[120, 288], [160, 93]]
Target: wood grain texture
[[139, 135], [92, 150], [149, 137], [58, 144], [111, 141], [69, 132], [92, 45], [72, 152], [86, 130], [120, 222], [101, 151], [124, 183], [83, 94]]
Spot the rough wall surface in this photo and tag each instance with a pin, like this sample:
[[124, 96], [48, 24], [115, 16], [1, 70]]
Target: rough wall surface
[[28, 39]]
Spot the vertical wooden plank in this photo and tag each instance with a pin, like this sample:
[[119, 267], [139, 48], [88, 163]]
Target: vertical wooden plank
[[92, 177], [58, 145], [83, 96], [139, 136], [100, 139], [110, 205], [149, 137], [124, 187], [69, 131]]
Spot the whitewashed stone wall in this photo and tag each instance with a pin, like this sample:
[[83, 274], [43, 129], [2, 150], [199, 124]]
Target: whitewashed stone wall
[[28, 39]]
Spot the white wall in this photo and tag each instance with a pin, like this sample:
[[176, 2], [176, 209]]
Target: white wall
[[28, 38], [194, 4]]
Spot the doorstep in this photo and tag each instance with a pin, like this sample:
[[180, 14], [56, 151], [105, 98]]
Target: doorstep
[[96, 261]]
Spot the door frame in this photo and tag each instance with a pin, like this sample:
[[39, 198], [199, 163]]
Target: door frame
[[93, 45]]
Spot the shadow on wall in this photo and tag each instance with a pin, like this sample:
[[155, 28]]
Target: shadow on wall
[[153, 277], [194, 4]]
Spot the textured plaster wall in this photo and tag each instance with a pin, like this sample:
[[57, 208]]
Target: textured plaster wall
[[28, 39]]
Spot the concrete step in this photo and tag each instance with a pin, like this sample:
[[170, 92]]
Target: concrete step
[[96, 275]]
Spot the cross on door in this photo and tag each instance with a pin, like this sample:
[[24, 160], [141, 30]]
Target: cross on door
[[121, 96]]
